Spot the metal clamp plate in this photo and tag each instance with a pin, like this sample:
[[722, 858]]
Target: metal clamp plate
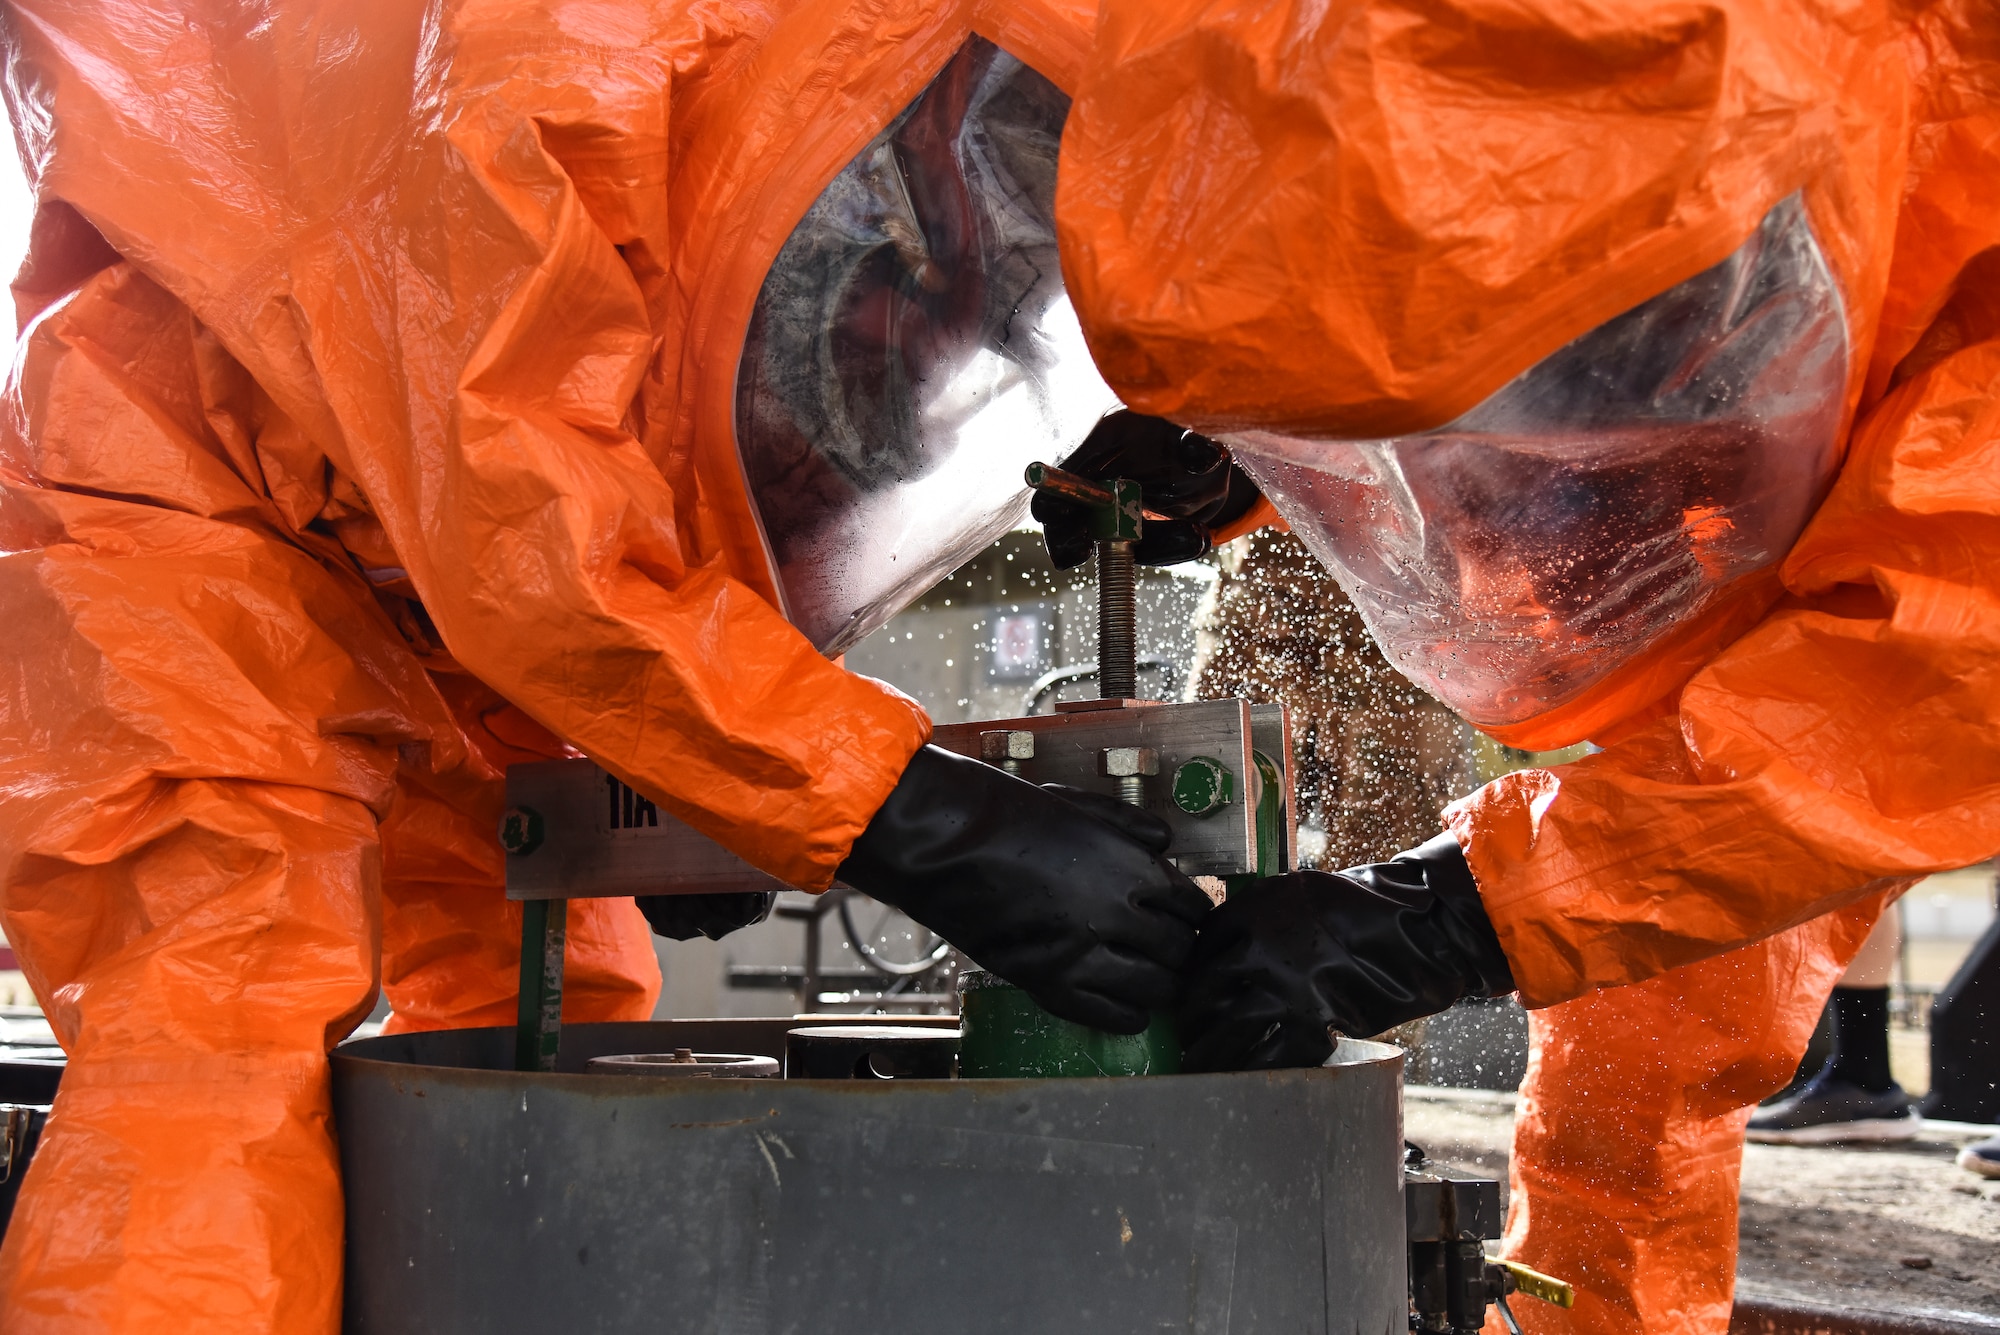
[[594, 837], [1067, 747]]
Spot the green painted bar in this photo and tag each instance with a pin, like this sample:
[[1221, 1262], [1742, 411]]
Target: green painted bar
[[538, 1027]]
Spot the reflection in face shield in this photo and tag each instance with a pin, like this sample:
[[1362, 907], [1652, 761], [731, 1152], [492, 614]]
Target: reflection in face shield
[[912, 351], [1514, 558]]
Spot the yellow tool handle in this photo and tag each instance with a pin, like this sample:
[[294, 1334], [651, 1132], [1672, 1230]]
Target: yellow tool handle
[[1537, 1285]]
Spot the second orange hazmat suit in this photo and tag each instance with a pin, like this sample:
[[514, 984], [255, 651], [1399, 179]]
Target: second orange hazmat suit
[[1393, 252]]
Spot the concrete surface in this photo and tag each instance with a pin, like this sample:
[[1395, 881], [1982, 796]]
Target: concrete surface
[[1888, 1228]]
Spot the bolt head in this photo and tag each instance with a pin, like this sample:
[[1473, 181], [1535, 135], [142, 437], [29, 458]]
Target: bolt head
[[1125, 762], [521, 830], [1006, 744], [1204, 786]]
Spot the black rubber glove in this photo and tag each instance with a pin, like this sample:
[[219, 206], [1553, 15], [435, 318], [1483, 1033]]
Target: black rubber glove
[[1185, 476], [1358, 951], [684, 917], [1065, 896]]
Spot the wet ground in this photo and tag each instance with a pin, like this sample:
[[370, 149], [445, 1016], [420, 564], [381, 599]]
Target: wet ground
[[1891, 1228]]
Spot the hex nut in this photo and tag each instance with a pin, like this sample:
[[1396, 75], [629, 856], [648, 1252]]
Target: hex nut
[[1006, 744], [1125, 762]]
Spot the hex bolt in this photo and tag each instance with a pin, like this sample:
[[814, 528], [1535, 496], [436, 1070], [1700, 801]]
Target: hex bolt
[[1130, 765], [1007, 748], [1203, 786], [521, 830]]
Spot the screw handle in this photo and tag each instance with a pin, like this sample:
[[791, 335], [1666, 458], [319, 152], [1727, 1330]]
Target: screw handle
[[1069, 486], [1537, 1285], [1117, 507]]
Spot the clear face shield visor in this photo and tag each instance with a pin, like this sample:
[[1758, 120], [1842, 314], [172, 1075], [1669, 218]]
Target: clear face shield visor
[[912, 350], [1599, 502]]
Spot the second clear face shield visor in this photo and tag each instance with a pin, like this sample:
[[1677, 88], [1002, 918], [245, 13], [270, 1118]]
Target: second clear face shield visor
[[1603, 499], [912, 351]]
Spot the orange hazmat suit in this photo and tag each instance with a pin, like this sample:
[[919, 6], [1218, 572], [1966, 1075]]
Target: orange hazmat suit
[[1393, 253], [374, 426]]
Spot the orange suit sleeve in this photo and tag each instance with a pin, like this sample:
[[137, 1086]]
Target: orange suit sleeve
[[460, 299], [597, 586]]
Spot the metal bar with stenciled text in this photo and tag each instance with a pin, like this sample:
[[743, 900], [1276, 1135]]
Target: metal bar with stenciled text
[[574, 831]]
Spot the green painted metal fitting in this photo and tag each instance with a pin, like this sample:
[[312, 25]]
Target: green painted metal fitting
[[1270, 814], [1267, 793], [1204, 786], [1118, 507], [1124, 520], [1005, 1035], [521, 830]]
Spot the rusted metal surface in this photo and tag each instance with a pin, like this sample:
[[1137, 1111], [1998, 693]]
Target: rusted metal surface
[[480, 1198]]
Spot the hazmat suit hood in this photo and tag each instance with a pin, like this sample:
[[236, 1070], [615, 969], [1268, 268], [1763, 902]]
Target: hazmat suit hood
[[1543, 334], [913, 350], [1634, 366], [1625, 490]]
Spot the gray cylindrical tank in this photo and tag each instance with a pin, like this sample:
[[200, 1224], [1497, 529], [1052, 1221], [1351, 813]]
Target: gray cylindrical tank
[[481, 1199]]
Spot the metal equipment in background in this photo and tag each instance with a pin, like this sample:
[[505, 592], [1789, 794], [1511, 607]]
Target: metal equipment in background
[[20, 1135], [1218, 772], [880, 983], [31, 1067]]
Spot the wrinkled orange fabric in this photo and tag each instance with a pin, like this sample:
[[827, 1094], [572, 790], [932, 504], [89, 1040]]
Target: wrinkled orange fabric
[[451, 944], [1360, 219], [373, 429], [227, 778], [1628, 1154]]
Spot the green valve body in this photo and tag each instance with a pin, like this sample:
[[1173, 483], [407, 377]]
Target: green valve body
[[1005, 1035]]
